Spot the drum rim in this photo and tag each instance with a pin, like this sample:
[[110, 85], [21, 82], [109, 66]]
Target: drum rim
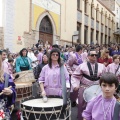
[[37, 97], [25, 107], [24, 85]]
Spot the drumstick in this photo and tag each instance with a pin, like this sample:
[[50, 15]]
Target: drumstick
[[8, 87]]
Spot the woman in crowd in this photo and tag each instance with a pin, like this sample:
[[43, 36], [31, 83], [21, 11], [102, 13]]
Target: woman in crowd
[[8, 92], [116, 51], [40, 66], [23, 62], [115, 67], [50, 82], [105, 58]]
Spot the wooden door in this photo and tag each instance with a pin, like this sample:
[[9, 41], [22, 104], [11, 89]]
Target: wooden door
[[46, 31], [46, 37]]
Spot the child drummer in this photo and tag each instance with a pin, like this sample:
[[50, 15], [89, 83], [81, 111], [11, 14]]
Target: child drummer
[[103, 107]]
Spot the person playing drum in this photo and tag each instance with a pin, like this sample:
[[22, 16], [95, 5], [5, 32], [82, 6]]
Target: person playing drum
[[23, 62], [86, 74], [104, 106], [8, 94], [49, 79], [74, 60]]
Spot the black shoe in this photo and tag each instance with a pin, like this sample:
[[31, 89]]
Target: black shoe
[[73, 104]]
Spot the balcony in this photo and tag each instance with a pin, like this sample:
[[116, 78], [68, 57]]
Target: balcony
[[86, 20], [92, 23], [97, 26], [79, 16]]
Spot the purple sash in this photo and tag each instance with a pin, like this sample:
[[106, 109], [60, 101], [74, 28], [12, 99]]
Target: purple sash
[[79, 59]]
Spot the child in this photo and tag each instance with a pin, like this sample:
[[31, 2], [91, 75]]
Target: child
[[103, 106]]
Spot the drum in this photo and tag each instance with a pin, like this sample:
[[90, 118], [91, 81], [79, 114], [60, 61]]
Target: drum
[[25, 76], [36, 109], [23, 90], [91, 92]]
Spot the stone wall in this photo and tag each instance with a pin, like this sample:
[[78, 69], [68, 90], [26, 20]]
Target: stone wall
[[1, 38], [29, 39]]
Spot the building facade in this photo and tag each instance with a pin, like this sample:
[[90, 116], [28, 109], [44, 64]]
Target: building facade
[[114, 6], [24, 22], [95, 22]]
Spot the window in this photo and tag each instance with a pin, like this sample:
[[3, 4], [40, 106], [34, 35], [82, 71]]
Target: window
[[92, 33], [112, 24], [97, 35], [85, 34], [78, 4], [79, 29], [101, 38], [105, 39], [109, 32], [106, 30], [85, 6]]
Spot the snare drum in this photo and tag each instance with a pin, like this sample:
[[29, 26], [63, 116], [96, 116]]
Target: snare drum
[[36, 109], [23, 90]]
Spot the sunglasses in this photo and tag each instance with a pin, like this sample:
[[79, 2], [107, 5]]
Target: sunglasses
[[55, 55], [107, 52], [93, 55]]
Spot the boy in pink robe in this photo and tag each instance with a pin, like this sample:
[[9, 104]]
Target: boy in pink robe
[[103, 106]]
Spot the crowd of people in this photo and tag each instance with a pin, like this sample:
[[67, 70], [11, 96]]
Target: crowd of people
[[84, 66]]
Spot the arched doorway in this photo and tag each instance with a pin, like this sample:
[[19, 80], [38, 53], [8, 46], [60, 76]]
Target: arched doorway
[[46, 31]]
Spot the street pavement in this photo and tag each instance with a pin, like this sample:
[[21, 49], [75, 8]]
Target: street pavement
[[74, 113]]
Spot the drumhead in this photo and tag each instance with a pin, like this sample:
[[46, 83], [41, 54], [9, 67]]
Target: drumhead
[[52, 102], [91, 92], [33, 108]]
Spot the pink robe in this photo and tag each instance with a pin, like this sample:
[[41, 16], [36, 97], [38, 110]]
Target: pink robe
[[51, 79], [95, 109], [39, 57], [72, 63], [77, 80], [7, 68], [112, 68]]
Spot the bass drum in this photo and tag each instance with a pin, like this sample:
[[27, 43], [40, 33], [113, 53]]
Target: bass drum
[[91, 92], [35, 109]]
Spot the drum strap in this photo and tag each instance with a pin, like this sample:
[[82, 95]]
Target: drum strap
[[117, 69], [92, 77], [116, 111], [64, 89]]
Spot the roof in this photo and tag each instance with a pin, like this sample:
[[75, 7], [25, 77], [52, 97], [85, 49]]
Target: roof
[[105, 6]]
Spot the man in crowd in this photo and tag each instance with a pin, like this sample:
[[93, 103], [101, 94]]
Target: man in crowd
[[86, 74]]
